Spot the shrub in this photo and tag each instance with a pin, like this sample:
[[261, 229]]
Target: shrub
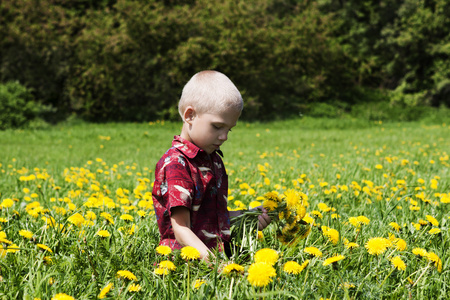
[[18, 108]]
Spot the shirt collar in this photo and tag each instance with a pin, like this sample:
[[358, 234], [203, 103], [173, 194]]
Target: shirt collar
[[189, 149]]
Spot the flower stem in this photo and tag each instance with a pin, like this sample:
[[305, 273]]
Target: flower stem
[[231, 287], [343, 286], [387, 277], [188, 282]]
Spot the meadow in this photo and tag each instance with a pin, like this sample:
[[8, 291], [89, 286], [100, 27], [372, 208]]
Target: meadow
[[77, 217]]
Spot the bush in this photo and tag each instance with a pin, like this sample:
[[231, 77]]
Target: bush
[[18, 108], [384, 111]]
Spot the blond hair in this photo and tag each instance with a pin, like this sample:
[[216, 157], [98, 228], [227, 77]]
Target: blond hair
[[210, 92]]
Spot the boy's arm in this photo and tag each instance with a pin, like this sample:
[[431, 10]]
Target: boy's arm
[[234, 213], [181, 225], [263, 219]]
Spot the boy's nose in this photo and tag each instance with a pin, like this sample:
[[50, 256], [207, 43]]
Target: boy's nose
[[223, 136]]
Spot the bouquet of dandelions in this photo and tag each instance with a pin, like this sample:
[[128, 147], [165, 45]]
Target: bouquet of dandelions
[[286, 210]]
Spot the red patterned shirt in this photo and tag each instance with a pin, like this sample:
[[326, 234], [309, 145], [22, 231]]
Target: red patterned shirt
[[187, 176]]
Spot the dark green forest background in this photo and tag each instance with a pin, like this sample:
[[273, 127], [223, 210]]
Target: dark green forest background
[[127, 60]]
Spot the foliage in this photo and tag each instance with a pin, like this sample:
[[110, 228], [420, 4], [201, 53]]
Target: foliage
[[128, 60], [18, 108], [398, 45]]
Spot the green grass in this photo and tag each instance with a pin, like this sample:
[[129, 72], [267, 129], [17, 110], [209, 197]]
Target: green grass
[[353, 166]]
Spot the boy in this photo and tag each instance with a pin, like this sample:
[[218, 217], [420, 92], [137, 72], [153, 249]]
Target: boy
[[191, 185]]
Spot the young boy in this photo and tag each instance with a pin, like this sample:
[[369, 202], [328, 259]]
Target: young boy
[[191, 185]]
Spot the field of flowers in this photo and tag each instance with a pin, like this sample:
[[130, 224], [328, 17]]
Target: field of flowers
[[373, 201]]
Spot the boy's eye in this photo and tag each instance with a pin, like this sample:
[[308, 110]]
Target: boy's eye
[[218, 127]]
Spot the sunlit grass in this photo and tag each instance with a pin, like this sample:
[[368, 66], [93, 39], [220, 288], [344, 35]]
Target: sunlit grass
[[84, 194]]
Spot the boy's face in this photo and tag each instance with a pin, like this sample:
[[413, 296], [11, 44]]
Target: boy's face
[[209, 131]]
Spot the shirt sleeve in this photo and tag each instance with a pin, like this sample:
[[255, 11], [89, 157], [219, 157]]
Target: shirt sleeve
[[178, 187]]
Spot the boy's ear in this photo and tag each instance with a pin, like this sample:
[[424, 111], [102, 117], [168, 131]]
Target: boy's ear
[[189, 114]]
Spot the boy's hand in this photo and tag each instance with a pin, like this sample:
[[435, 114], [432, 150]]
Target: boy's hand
[[263, 219]]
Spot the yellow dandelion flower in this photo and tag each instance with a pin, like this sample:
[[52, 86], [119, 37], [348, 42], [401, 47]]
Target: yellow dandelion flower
[[377, 245], [400, 244], [435, 258], [317, 214], [3, 252], [26, 233], [364, 220], [420, 252], [432, 220], [108, 217], [103, 233], [323, 207], [163, 250], [128, 230], [90, 215], [292, 267], [233, 269], [76, 219], [398, 263], [266, 255], [44, 247], [335, 216], [270, 205], [313, 251], [240, 205], [309, 220], [354, 221], [333, 259], [260, 273], [3, 238], [260, 235], [332, 234], [434, 231], [7, 203], [395, 226], [13, 248], [126, 274], [126, 217], [304, 264], [48, 260], [300, 212], [134, 287], [198, 283], [105, 291], [417, 226], [423, 222], [190, 253], [272, 196], [161, 271], [62, 296], [254, 204], [347, 285], [292, 198], [351, 245], [166, 264]]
